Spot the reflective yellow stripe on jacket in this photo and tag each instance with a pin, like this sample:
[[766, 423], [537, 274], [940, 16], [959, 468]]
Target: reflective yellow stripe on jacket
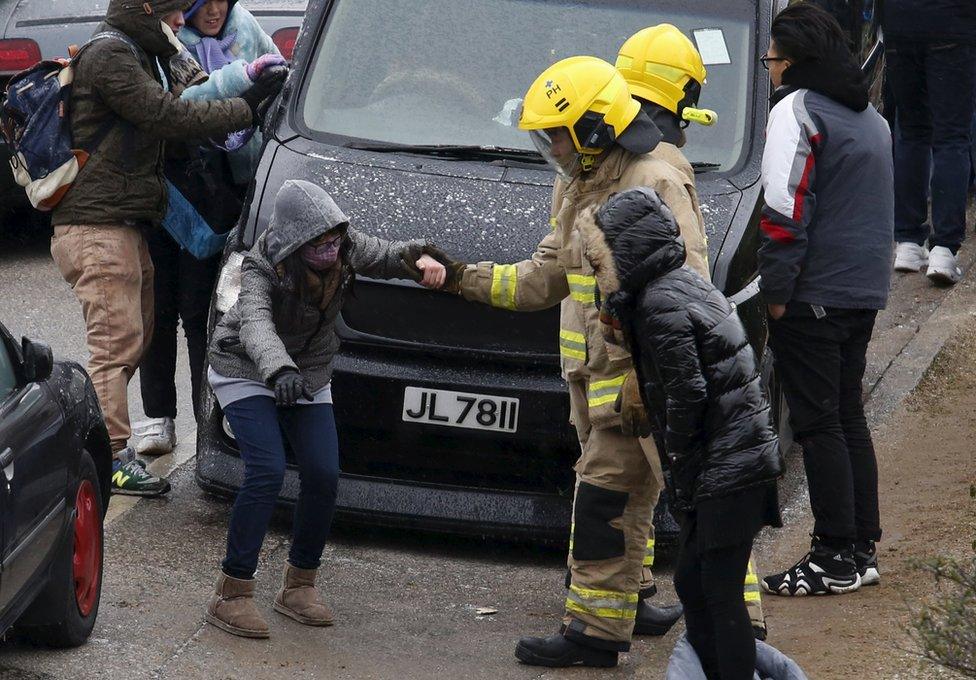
[[582, 288], [649, 553], [504, 282], [605, 604], [751, 589], [600, 392], [572, 344]]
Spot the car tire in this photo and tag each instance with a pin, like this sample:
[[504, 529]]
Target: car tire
[[64, 613]]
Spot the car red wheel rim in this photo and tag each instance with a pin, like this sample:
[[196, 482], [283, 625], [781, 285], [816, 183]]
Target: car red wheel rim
[[87, 558]]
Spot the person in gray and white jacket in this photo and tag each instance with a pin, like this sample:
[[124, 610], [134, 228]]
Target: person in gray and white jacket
[[827, 234], [270, 369]]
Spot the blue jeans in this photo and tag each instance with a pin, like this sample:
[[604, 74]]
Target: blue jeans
[[933, 87], [260, 427]]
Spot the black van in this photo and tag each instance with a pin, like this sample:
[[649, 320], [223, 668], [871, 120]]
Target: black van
[[402, 112]]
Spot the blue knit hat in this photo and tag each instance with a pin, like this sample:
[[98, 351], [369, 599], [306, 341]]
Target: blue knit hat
[[193, 8]]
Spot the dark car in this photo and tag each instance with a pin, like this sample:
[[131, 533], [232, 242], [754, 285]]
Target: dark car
[[56, 463], [31, 31], [402, 112]]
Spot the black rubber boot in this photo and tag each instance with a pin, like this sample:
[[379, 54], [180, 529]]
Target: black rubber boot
[[558, 652], [653, 620]]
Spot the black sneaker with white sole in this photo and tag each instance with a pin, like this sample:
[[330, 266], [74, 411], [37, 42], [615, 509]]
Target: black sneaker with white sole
[[822, 571], [866, 559]]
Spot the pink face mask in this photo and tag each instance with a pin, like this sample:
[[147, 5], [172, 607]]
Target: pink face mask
[[322, 256]]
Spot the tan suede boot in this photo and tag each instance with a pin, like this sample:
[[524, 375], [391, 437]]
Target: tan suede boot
[[299, 599], [232, 608]]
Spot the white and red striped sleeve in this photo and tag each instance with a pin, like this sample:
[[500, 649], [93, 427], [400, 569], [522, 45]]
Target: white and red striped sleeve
[[789, 171]]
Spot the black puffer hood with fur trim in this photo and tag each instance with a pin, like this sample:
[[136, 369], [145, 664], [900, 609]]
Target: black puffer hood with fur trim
[[698, 373]]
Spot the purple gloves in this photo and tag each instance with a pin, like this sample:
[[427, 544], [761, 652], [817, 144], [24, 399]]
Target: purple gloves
[[254, 69]]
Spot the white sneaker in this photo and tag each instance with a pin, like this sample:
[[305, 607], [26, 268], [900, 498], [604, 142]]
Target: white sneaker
[[943, 267], [910, 257], [157, 436]]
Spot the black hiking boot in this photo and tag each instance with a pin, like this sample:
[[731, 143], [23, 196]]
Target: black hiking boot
[[656, 621], [557, 651]]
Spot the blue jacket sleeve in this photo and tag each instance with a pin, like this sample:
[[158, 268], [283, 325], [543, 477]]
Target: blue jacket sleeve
[[230, 81]]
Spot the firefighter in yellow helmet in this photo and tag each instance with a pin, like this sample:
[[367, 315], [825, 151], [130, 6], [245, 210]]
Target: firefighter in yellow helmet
[[584, 121], [665, 74]]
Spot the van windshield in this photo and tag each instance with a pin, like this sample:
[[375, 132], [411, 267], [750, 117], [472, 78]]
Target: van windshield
[[446, 72]]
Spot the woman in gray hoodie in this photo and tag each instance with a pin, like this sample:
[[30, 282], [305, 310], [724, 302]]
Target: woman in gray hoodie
[[270, 369]]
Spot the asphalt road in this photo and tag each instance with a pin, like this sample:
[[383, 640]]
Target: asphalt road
[[406, 603]]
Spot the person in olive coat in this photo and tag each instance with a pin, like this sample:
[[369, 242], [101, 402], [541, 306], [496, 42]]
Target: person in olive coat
[[700, 382]]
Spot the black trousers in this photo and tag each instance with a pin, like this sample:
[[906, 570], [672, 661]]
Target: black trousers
[[933, 85], [182, 287], [821, 363], [709, 585]]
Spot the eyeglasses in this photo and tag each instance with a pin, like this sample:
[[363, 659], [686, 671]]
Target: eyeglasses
[[765, 59], [330, 242]]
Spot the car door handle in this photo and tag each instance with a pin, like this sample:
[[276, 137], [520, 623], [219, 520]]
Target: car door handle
[[747, 293]]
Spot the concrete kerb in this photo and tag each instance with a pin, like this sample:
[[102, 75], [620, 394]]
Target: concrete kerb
[[907, 369]]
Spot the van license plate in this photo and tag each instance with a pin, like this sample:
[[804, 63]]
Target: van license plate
[[460, 409]]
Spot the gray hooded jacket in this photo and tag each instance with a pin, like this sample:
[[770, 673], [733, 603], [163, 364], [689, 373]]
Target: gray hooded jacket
[[254, 340]]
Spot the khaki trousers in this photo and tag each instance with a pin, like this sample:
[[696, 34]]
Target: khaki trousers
[[111, 274], [618, 480]]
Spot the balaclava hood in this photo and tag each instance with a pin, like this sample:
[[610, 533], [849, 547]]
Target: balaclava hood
[[143, 22], [668, 123], [302, 211]]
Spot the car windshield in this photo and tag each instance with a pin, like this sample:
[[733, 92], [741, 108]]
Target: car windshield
[[450, 72]]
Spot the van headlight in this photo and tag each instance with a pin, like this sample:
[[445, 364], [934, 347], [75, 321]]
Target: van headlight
[[226, 425]]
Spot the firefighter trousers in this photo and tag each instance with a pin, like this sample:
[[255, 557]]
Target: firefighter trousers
[[750, 589], [611, 549], [618, 480]]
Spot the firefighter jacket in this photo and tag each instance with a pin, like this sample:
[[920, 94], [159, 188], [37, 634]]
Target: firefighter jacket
[[560, 273]]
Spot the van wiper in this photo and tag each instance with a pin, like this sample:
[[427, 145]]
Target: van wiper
[[699, 166], [455, 151]]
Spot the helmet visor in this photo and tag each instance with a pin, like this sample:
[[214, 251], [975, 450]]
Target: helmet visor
[[565, 165]]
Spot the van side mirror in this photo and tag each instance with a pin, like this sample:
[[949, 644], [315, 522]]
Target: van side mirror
[[38, 360]]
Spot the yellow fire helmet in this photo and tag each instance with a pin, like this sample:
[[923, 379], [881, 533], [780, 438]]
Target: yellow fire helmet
[[661, 65], [589, 99]]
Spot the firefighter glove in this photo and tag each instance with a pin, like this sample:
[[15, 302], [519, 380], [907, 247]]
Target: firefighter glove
[[633, 415], [611, 327], [455, 269]]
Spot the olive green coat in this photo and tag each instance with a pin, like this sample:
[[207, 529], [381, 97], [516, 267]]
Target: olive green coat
[[123, 180]]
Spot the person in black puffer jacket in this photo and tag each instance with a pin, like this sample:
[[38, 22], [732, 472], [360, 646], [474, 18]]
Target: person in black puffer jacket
[[700, 383]]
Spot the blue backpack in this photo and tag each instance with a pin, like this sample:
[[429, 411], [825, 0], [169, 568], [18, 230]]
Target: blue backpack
[[35, 126]]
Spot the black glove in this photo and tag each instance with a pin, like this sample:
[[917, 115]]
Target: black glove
[[260, 95], [289, 387]]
